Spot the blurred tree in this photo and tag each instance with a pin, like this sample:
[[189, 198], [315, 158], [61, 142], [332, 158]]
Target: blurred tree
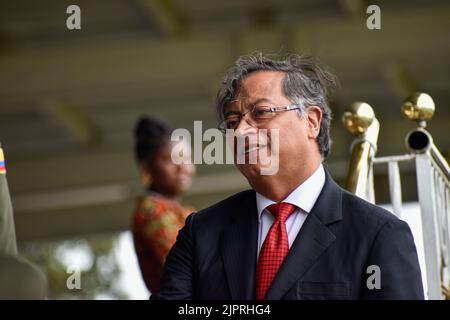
[[94, 257]]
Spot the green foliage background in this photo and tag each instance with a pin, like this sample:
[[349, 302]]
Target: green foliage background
[[99, 279]]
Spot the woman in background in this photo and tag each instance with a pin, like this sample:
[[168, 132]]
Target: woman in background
[[159, 215]]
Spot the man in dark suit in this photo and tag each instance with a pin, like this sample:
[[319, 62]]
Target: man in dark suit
[[296, 234]]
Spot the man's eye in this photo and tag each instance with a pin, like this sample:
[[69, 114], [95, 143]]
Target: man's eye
[[232, 123], [261, 112]]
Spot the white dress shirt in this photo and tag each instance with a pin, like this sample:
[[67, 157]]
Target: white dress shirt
[[303, 197]]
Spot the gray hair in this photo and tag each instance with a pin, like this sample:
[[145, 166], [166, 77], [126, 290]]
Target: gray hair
[[306, 83]]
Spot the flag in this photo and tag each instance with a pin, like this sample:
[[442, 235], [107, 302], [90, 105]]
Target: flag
[[8, 245], [2, 162]]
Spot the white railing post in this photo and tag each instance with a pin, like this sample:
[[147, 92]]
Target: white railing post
[[395, 188], [425, 188], [433, 183]]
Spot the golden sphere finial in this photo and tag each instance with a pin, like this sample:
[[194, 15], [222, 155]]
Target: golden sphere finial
[[358, 117], [418, 107]]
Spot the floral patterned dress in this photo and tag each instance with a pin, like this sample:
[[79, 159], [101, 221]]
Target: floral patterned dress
[[156, 223]]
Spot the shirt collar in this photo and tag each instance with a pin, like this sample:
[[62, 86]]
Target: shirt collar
[[303, 197]]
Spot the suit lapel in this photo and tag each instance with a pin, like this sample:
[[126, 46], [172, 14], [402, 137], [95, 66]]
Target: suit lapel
[[313, 239], [238, 246]]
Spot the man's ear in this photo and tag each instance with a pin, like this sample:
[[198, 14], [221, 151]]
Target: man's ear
[[314, 117]]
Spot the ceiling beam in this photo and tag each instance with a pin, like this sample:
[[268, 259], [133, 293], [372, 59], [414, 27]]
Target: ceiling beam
[[164, 14], [76, 123], [89, 66]]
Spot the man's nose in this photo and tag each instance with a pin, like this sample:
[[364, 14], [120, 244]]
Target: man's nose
[[245, 126]]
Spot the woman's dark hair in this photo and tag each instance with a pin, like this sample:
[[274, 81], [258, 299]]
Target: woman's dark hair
[[151, 134]]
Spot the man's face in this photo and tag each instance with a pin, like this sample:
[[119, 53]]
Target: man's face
[[296, 136]]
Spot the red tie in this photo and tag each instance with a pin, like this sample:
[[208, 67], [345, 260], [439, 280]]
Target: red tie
[[274, 249]]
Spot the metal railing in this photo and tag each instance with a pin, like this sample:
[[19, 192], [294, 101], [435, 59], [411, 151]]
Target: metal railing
[[433, 181]]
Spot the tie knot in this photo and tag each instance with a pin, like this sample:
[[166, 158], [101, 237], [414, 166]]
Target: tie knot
[[281, 211]]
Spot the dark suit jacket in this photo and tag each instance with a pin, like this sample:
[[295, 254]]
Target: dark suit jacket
[[214, 256]]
